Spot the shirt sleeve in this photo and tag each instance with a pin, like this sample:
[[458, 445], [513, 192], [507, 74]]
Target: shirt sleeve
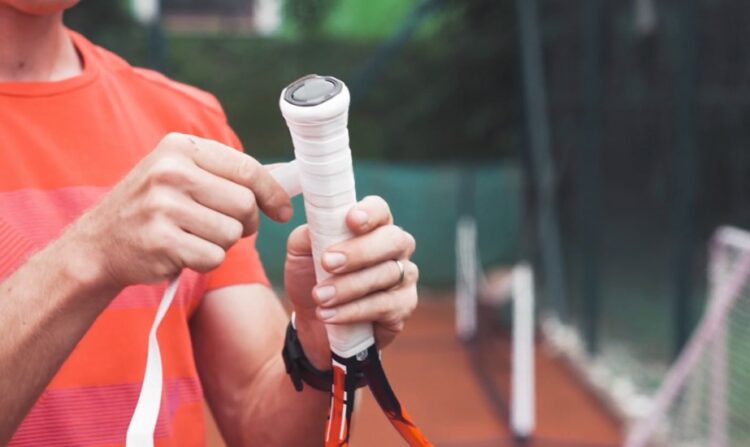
[[242, 263]]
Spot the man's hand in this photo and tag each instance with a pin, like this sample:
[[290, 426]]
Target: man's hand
[[366, 284], [181, 207]]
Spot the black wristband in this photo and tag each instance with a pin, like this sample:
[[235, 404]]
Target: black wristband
[[299, 367], [301, 370]]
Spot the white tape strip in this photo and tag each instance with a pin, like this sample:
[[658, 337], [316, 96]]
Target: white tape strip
[[287, 174], [142, 425]]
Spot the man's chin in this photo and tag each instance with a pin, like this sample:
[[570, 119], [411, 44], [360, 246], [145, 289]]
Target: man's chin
[[39, 7]]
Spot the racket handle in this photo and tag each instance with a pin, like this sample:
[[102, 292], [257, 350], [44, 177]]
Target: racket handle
[[316, 110]]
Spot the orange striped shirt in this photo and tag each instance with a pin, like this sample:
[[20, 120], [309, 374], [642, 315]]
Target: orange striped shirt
[[63, 145]]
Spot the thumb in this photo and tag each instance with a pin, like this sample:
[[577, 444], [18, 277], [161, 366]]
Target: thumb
[[299, 273], [298, 244]]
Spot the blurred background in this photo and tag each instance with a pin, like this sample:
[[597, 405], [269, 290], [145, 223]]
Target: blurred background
[[603, 142]]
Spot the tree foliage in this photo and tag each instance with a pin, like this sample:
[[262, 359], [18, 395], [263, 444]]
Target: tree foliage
[[308, 15], [454, 94]]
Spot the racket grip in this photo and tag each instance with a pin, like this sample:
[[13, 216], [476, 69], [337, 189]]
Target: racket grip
[[316, 109]]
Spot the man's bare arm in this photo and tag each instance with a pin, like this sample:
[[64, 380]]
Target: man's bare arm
[[238, 333], [45, 308]]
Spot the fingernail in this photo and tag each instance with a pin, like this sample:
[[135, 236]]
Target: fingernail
[[360, 217], [327, 314], [325, 293], [334, 260], [285, 213]]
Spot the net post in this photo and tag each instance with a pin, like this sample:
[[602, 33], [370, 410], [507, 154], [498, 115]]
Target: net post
[[466, 279], [522, 363]]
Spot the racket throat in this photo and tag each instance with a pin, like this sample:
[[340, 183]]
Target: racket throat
[[343, 392], [348, 375]]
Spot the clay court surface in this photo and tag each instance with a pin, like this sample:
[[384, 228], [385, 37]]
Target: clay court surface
[[433, 374]]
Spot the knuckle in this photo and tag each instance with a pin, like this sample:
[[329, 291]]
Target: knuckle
[[393, 319], [358, 309], [173, 141], [411, 272], [396, 240], [411, 243], [164, 270], [208, 259], [248, 205], [297, 240], [246, 170], [380, 207], [168, 170], [386, 307], [214, 257], [251, 224], [413, 302], [379, 202], [162, 239], [405, 304], [356, 286], [277, 195], [159, 203], [233, 231]]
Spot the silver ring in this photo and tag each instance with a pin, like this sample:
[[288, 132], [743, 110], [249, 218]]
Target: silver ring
[[401, 272]]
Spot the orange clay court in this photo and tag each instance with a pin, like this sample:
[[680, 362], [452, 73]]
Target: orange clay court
[[431, 371]]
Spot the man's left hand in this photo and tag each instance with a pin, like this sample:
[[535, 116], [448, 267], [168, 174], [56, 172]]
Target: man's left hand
[[366, 285]]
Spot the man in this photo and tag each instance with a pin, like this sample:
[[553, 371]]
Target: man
[[114, 179]]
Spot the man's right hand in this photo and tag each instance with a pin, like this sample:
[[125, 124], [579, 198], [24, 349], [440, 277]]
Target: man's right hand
[[182, 206]]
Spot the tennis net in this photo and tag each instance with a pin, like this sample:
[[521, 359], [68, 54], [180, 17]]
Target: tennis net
[[705, 397]]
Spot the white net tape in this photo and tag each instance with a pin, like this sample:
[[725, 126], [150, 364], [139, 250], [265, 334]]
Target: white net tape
[[705, 398]]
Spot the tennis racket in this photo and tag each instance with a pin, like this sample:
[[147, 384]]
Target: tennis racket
[[316, 111]]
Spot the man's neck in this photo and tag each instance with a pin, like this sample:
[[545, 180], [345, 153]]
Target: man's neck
[[35, 48]]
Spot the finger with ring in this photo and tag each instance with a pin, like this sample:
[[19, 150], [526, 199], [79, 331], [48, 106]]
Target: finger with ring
[[401, 271]]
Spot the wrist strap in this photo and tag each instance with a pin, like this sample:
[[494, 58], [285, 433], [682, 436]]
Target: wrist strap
[[300, 369]]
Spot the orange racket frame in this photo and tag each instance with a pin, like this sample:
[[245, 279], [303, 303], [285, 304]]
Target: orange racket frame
[[346, 376]]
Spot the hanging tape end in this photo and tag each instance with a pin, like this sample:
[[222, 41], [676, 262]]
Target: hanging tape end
[[287, 175]]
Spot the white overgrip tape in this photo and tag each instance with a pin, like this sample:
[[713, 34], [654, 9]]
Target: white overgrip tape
[[143, 423], [321, 144], [347, 198], [328, 221], [317, 147], [340, 161], [329, 186], [287, 175]]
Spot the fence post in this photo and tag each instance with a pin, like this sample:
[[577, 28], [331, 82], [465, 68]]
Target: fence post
[[538, 130], [588, 179], [685, 177]]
